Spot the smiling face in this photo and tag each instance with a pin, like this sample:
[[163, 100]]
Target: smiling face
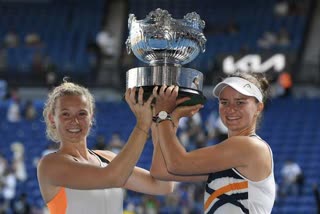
[[238, 112], [72, 118]]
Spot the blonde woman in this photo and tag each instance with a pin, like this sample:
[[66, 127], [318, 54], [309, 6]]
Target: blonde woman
[[76, 180]]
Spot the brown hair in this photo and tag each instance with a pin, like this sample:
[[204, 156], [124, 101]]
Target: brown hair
[[258, 79]]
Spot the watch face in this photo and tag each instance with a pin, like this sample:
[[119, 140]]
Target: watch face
[[163, 115]]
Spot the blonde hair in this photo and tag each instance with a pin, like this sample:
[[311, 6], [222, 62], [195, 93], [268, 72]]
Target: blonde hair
[[65, 89]]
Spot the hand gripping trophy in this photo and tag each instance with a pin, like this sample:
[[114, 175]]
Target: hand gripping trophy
[[165, 44]]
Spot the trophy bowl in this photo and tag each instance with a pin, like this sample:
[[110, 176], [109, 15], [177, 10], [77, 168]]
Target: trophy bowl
[[166, 44]]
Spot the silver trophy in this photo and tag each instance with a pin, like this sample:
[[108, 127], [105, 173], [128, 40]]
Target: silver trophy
[[165, 44]]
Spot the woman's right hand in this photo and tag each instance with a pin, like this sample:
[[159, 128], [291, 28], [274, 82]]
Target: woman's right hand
[[142, 110], [184, 111]]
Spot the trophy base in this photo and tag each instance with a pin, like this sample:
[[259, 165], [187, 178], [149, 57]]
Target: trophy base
[[189, 81], [196, 97]]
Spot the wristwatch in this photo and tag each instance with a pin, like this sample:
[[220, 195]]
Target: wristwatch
[[161, 116]]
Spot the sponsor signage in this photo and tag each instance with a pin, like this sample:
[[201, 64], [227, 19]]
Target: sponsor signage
[[255, 63]]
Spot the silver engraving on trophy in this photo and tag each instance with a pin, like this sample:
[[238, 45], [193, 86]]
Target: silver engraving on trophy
[[165, 44]]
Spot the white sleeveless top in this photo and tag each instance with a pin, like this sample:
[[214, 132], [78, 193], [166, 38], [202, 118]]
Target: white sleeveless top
[[230, 192], [98, 201], [105, 201]]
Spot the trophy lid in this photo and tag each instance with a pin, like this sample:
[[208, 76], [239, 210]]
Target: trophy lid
[[160, 39]]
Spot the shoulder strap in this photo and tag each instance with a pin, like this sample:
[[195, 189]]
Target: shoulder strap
[[100, 155]]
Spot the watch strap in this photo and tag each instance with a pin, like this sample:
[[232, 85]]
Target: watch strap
[[157, 119]]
